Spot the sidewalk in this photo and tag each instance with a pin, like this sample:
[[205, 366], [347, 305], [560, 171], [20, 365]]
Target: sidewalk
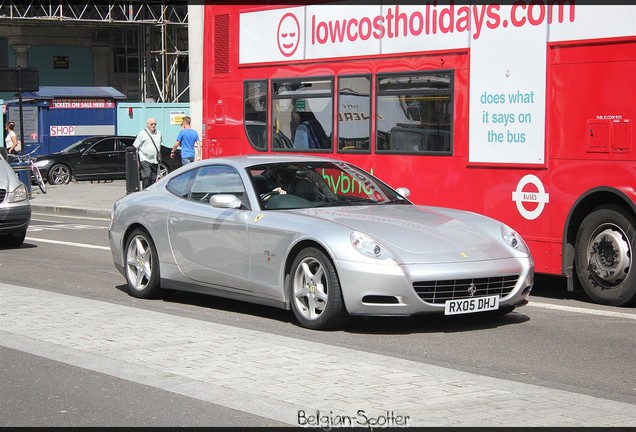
[[79, 198], [282, 378]]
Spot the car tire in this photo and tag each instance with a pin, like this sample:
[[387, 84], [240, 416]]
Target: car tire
[[59, 174], [162, 170], [605, 247], [315, 293], [142, 265], [13, 240]]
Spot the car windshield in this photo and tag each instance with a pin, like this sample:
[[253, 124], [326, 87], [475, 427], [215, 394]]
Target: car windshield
[[81, 145], [319, 184]]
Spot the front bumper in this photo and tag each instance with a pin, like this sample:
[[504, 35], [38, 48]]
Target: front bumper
[[14, 218], [389, 289]]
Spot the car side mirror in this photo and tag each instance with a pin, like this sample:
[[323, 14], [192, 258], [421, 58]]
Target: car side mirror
[[404, 191], [225, 201], [90, 151]]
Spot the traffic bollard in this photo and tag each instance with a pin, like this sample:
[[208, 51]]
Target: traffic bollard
[[132, 170]]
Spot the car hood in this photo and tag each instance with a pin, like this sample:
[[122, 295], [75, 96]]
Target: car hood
[[55, 155], [423, 234], [8, 179]]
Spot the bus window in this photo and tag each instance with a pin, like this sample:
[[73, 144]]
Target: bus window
[[302, 114], [255, 113], [354, 113], [414, 113]]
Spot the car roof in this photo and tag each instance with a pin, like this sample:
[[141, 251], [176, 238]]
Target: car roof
[[108, 136], [245, 161]]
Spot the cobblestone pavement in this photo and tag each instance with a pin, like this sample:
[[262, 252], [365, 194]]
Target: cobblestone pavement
[[277, 377]]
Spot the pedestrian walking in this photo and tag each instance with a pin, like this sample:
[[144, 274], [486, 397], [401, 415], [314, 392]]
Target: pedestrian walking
[[11, 139], [148, 144], [190, 143]]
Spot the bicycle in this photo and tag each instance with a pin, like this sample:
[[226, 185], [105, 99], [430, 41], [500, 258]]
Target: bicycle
[[35, 172]]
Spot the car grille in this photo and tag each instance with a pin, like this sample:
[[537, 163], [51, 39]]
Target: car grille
[[3, 193], [440, 291]]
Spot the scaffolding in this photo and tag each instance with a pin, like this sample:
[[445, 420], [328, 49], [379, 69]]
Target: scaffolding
[[157, 46]]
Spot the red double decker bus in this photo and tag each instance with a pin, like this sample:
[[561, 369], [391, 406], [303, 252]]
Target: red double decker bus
[[523, 112]]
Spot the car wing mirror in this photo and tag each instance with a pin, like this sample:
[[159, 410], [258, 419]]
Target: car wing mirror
[[225, 201], [90, 151], [404, 191]]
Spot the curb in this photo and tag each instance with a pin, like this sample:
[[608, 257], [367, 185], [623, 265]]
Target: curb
[[70, 211]]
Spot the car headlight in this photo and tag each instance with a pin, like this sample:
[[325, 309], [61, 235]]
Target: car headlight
[[19, 194], [513, 239], [369, 247]]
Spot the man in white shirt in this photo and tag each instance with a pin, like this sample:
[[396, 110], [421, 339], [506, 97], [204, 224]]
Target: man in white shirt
[[148, 145]]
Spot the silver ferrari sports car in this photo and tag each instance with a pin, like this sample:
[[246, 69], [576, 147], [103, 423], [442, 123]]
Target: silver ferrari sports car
[[315, 235]]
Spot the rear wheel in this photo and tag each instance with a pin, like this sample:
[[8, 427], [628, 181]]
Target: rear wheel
[[162, 170], [605, 245], [142, 265], [59, 174], [316, 298]]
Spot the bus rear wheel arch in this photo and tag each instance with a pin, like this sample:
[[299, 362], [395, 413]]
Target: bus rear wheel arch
[[604, 256]]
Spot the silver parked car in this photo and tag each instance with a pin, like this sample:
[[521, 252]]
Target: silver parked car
[[15, 208], [315, 235]]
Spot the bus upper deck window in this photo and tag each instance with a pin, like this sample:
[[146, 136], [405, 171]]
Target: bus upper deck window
[[255, 113], [414, 113], [302, 114]]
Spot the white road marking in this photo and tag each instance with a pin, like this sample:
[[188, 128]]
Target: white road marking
[[89, 246], [582, 310]]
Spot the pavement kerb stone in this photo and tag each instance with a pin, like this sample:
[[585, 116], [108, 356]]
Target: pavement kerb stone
[[71, 211]]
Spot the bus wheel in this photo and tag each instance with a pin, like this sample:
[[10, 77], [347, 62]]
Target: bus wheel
[[605, 245]]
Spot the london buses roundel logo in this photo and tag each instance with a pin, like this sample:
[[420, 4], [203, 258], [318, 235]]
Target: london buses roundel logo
[[288, 34], [530, 201]]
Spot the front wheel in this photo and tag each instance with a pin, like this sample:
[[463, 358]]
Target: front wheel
[[59, 174], [38, 178], [316, 297], [142, 265], [13, 240], [605, 245]]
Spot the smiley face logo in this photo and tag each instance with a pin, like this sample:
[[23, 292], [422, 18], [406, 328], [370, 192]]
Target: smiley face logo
[[288, 34]]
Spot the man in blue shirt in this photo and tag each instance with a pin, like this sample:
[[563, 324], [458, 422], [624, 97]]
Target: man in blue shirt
[[188, 138]]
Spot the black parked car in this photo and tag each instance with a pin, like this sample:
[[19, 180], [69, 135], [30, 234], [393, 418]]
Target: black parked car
[[97, 158]]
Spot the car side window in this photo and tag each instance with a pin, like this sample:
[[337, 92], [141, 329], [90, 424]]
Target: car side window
[[122, 144], [181, 184], [106, 145], [216, 179]]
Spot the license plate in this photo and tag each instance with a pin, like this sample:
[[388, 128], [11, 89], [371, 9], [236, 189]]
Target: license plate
[[476, 304]]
